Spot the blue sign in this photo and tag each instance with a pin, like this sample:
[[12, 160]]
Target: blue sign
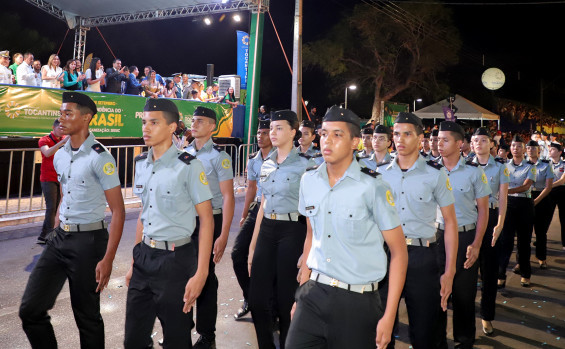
[[242, 57]]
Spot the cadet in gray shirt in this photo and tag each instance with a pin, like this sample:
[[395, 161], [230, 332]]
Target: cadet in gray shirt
[[381, 142], [80, 248]]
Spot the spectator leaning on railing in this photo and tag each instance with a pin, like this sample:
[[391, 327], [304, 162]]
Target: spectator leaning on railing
[[25, 75]]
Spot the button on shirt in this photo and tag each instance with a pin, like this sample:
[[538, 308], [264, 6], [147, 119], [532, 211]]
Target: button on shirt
[[169, 189], [469, 183], [281, 182], [518, 175], [417, 194], [558, 170], [217, 165], [84, 177], [346, 229], [497, 174], [371, 161], [544, 170], [254, 171]]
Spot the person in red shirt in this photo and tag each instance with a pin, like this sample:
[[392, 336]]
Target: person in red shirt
[[48, 177]]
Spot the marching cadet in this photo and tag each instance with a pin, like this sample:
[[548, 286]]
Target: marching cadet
[[503, 151], [167, 272], [249, 215], [367, 137], [498, 178], [471, 192], [425, 145], [519, 214], [558, 191], [382, 140], [337, 304], [217, 164], [466, 147], [419, 187], [279, 232], [80, 248], [434, 152], [305, 145], [542, 202]]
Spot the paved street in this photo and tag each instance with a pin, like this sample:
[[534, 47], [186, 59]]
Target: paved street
[[531, 317]]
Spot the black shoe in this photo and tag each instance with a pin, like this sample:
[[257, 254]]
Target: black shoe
[[204, 343], [241, 312], [516, 269], [40, 241], [501, 283], [488, 329]]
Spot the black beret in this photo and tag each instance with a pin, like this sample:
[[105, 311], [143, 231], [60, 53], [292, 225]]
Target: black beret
[[382, 129], [408, 118], [543, 133], [517, 138], [308, 123], [532, 143], [435, 132], [288, 115], [80, 99], [557, 146], [157, 104], [336, 113], [206, 112], [426, 135], [467, 137], [264, 124], [505, 147], [481, 131], [452, 126], [367, 131]]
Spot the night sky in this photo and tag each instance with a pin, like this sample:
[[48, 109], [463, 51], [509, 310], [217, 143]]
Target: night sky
[[525, 41]]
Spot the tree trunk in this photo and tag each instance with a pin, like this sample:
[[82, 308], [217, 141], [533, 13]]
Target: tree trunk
[[376, 111]]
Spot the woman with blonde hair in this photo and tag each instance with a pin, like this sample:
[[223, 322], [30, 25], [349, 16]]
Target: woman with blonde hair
[[52, 73]]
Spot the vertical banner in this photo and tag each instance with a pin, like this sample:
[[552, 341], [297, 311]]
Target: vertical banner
[[242, 56], [449, 114]]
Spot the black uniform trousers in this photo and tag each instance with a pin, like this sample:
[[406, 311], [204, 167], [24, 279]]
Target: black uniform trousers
[[519, 221], [240, 250], [463, 294], [52, 193], [488, 265], [331, 317], [558, 199], [71, 256], [207, 302], [273, 274], [156, 289], [542, 219]]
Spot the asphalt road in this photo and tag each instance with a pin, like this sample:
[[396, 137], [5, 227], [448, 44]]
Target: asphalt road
[[531, 317]]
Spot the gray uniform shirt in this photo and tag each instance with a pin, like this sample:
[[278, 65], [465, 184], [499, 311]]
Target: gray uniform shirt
[[544, 171], [254, 170], [558, 170], [169, 188], [217, 165], [371, 161], [497, 174], [518, 174]]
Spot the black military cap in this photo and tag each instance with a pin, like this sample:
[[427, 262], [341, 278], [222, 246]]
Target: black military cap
[[557, 146], [481, 131], [435, 132], [543, 133], [367, 131], [408, 118], [264, 124], [308, 123], [80, 99], [517, 138], [336, 113], [158, 104], [287, 115], [382, 129], [532, 143], [452, 126], [426, 135], [505, 147], [206, 112]]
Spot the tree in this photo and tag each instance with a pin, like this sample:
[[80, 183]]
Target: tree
[[388, 52], [16, 38]]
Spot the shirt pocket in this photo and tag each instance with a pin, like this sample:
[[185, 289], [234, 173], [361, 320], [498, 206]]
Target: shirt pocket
[[351, 223], [311, 211], [420, 202], [171, 198], [139, 188], [291, 182]]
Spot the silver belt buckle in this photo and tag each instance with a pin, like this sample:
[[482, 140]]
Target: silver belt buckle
[[334, 283], [273, 216], [408, 241], [152, 243], [66, 227]]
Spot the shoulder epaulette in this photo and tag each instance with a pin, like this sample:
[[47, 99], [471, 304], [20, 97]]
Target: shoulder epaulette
[[424, 154], [359, 157], [218, 148], [434, 164], [383, 163], [471, 163], [546, 161], [304, 156], [501, 160], [141, 157], [98, 148], [186, 158], [311, 168], [531, 163], [317, 155], [252, 155], [369, 172]]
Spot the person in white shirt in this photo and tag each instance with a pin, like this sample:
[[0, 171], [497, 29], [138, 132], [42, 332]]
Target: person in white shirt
[[5, 72], [25, 75], [37, 70], [98, 79], [52, 73]]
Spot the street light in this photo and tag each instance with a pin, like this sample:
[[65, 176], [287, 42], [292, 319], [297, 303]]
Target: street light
[[416, 100], [350, 87]]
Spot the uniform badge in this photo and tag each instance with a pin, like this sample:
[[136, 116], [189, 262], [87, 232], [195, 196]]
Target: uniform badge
[[448, 185], [389, 198], [484, 178], [533, 171], [109, 168], [226, 163], [506, 172], [203, 178]]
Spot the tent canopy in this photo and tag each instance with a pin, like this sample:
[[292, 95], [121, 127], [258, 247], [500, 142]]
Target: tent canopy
[[467, 110]]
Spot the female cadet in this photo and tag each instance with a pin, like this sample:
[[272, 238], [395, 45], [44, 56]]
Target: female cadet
[[519, 214], [558, 190], [498, 178], [278, 238]]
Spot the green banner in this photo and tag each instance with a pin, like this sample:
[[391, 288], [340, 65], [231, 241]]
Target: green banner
[[391, 110], [30, 112]]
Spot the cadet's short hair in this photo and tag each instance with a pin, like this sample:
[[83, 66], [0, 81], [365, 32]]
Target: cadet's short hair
[[56, 122]]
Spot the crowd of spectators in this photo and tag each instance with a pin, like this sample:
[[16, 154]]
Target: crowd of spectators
[[119, 79], [520, 114]]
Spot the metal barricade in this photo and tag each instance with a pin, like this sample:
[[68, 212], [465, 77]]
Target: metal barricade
[[244, 151]]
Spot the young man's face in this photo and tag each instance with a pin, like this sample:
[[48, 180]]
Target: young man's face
[[71, 120], [155, 129], [202, 126], [517, 149], [434, 142], [381, 142], [263, 140], [336, 142], [425, 144], [307, 136], [447, 144], [406, 139], [465, 146], [367, 142], [502, 153], [532, 151], [57, 131], [481, 144]]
